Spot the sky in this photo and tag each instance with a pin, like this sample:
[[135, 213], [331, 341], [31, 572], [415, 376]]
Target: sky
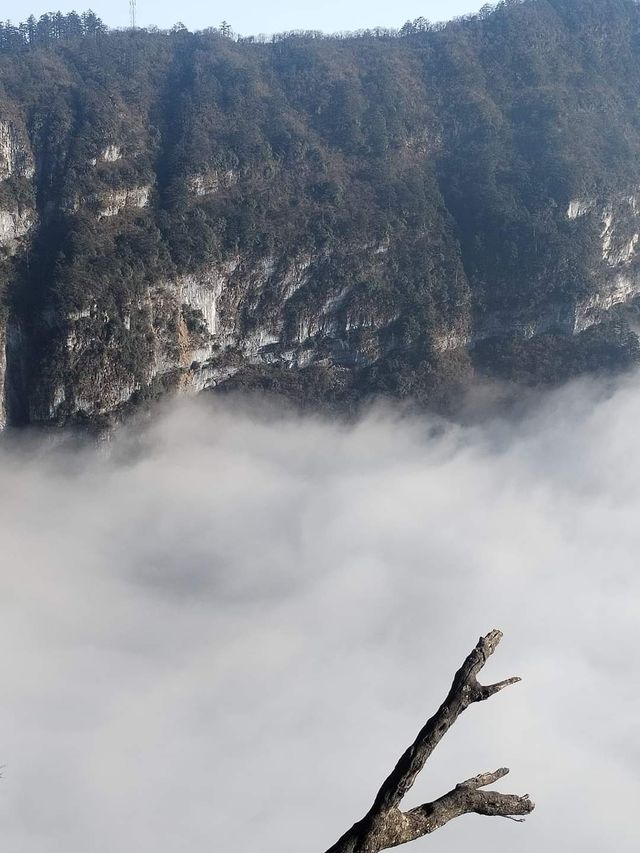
[[251, 17], [220, 631]]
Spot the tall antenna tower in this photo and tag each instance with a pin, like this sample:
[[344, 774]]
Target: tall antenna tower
[[132, 13]]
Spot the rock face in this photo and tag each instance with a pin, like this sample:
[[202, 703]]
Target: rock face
[[328, 218], [115, 201], [14, 224], [618, 222], [211, 182], [15, 158], [196, 336], [3, 375]]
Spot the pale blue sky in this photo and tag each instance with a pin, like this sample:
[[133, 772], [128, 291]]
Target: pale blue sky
[[252, 16]]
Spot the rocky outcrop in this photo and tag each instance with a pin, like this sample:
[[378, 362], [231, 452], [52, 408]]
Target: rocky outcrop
[[198, 333], [193, 331], [621, 289], [617, 279], [14, 225], [12, 373], [114, 202], [579, 207], [619, 223], [15, 155], [3, 373], [109, 154], [200, 329], [211, 182]]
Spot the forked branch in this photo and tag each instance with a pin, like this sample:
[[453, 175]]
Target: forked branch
[[385, 825]]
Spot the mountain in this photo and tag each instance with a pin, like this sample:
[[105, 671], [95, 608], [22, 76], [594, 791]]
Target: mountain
[[328, 217]]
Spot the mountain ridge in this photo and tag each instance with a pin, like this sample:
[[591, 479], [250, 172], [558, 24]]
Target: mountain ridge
[[331, 218]]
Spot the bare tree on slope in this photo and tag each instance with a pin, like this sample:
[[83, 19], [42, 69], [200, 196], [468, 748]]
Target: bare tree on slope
[[386, 825]]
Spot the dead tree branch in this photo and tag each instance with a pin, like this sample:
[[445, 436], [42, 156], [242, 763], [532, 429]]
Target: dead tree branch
[[385, 825]]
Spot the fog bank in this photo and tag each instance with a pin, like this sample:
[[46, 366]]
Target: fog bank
[[222, 634]]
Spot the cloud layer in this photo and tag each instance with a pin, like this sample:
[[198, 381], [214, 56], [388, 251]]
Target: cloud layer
[[220, 635]]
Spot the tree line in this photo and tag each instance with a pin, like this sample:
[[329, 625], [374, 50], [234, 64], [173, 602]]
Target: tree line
[[56, 26], [49, 28]]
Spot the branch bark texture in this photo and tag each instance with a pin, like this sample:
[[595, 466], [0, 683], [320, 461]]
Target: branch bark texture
[[385, 825]]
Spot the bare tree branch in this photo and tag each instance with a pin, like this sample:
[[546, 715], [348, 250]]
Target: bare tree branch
[[385, 825]]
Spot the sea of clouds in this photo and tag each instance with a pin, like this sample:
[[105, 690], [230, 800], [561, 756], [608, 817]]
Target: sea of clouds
[[219, 632]]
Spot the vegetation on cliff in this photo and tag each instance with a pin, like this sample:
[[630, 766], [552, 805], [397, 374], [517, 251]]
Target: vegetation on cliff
[[424, 176]]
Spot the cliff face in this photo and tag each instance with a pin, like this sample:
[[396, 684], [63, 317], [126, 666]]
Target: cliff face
[[3, 373], [331, 217]]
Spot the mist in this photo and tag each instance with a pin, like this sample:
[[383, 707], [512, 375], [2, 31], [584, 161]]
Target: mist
[[221, 631]]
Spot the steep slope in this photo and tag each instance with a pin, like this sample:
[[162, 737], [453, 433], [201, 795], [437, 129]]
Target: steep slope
[[332, 217]]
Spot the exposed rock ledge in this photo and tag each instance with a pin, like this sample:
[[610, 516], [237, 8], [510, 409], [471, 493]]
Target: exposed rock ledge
[[15, 156], [196, 339], [14, 224], [3, 374], [622, 289], [110, 154], [619, 222], [115, 201], [208, 183]]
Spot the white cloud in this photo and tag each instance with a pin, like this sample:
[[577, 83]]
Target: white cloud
[[222, 634]]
